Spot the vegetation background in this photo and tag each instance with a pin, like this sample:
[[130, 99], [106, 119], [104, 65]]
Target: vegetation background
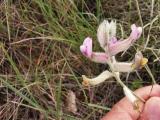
[[40, 61]]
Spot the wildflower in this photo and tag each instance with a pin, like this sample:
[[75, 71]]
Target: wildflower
[[139, 61], [106, 35], [122, 45], [97, 80], [86, 49]]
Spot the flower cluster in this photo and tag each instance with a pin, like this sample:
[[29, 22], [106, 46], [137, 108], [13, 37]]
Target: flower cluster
[[106, 35], [107, 39]]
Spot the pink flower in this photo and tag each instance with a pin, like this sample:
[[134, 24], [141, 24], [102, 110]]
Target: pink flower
[[136, 32], [122, 45], [86, 49], [106, 37]]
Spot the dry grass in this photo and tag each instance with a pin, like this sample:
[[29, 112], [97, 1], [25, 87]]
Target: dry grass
[[40, 60]]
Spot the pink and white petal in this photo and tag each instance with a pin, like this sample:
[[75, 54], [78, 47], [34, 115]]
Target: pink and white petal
[[119, 46], [139, 61], [86, 47], [122, 45], [105, 32], [113, 40], [88, 44], [99, 57], [83, 49], [136, 32], [102, 33]]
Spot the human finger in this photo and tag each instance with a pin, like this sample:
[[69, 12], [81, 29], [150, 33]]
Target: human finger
[[151, 109], [125, 107]]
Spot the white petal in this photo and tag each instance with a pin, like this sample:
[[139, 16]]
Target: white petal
[[101, 33], [105, 32], [140, 29], [112, 29], [97, 80], [122, 67], [131, 97]]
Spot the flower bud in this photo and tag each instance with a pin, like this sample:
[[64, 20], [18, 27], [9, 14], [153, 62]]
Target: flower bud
[[139, 61]]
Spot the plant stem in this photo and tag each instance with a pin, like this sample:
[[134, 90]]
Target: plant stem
[[150, 73], [117, 77], [116, 74]]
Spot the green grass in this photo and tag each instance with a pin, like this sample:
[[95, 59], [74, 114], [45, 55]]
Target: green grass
[[40, 59]]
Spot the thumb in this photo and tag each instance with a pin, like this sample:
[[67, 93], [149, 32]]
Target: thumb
[[151, 109]]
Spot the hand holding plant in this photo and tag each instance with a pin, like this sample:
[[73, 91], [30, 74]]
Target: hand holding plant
[[150, 110]]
